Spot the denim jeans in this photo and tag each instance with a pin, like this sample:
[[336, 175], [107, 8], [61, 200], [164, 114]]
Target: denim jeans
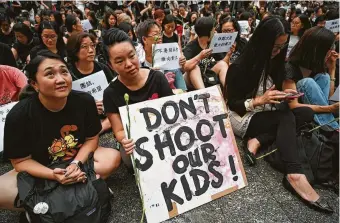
[[179, 79], [316, 92]]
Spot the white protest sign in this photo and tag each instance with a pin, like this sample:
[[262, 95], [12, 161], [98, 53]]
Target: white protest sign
[[166, 56], [94, 84], [335, 96], [292, 42], [86, 25], [257, 22], [333, 25], [4, 110], [245, 28], [142, 1], [185, 153], [221, 42]]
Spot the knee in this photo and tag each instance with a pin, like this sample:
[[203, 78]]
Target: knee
[[287, 117], [306, 83], [108, 162]]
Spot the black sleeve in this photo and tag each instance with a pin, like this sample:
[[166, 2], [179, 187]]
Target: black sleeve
[[176, 37], [107, 72], [236, 90], [34, 52], [109, 100], [16, 136], [92, 120], [187, 52], [6, 56], [165, 89]]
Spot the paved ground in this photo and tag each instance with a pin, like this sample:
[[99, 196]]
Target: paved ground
[[263, 200]]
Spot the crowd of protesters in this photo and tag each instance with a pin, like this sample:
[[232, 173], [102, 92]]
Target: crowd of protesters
[[44, 47]]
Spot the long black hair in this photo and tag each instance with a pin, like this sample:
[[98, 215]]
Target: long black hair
[[256, 56], [25, 30]]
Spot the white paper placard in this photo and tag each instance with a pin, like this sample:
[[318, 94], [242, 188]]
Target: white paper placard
[[335, 96], [94, 84], [257, 22], [166, 56], [244, 25], [4, 110], [292, 42], [333, 25], [185, 154], [221, 42], [142, 1], [86, 25]]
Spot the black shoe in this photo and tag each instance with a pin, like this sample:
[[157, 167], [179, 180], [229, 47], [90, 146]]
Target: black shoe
[[320, 205], [250, 157]]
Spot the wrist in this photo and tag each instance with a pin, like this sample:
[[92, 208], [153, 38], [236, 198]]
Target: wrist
[[257, 101]]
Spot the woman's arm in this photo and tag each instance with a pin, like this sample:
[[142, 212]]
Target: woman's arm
[[15, 53], [290, 84], [32, 167], [117, 126], [90, 145]]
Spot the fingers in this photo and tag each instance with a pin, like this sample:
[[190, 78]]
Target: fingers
[[290, 91], [274, 102], [272, 88], [59, 171], [128, 145]]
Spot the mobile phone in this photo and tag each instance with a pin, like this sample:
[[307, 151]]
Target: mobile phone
[[293, 96]]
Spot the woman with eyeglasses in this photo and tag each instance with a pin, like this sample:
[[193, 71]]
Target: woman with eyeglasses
[[230, 25], [254, 87], [50, 39], [311, 70], [81, 51]]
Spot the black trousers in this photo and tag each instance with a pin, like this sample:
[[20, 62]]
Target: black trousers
[[280, 126]]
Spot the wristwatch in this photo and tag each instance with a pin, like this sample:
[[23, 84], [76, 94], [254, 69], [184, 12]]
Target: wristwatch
[[78, 163], [249, 105]]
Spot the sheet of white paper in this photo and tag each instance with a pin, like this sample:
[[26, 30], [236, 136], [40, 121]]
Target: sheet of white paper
[[335, 96], [94, 84], [244, 25], [292, 42], [3, 113], [86, 25], [221, 42], [166, 56], [333, 25]]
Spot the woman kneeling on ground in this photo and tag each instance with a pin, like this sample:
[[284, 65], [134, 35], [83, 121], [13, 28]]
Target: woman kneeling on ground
[[54, 114], [251, 96]]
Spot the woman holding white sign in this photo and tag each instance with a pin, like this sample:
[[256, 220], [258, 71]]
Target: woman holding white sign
[[81, 49], [140, 84], [252, 96]]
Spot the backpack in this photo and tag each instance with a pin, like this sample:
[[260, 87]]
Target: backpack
[[48, 201], [318, 151]]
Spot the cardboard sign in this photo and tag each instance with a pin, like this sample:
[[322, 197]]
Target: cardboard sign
[[166, 56], [245, 28], [292, 42], [335, 96], [94, 84], [185, 154], [333, 25], [4, 110], [221, 42], [86, 25]]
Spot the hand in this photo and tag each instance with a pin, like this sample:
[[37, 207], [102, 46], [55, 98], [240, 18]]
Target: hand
[[128, 145], [335, 107], [271, 96], [290, 91], [331, 59], [100, 107], [59, 175], [182, 60], [205, 53], [232, 50]]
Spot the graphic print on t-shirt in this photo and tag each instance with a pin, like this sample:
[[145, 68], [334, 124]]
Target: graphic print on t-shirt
[[67, 146]]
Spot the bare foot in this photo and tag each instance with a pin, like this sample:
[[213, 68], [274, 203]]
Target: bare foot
[[253, 145], [301, 185]]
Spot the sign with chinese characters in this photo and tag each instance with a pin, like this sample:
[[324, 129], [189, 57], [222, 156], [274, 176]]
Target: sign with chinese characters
[[166, 56], [94, 84], [185, 152], [292, 42], [86, 25], [4, 110], [333, 25], [221, 42], [245, 28]]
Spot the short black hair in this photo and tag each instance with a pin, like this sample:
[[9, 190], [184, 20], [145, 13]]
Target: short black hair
[[144, 28], [204, 26], [74, 43], [24, 29], [112, 37]]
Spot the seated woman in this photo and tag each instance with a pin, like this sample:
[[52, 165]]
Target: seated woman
[[51, 114], [73, 26], [149, 33], [50, 39], [139, 83], [306, 72], [24, 42], [251, 96], [81, 49]]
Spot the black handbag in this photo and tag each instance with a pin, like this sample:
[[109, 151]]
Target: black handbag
[[48, 201]]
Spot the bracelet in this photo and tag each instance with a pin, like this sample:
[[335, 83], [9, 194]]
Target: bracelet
[[333, 79]]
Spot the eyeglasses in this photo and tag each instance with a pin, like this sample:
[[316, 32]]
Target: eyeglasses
[[49, 36], [87, 47], [159, 35], [295, 23], [280, 47], [228, 30]]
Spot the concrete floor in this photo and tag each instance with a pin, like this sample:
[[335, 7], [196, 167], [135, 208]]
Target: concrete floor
[[263, 200]]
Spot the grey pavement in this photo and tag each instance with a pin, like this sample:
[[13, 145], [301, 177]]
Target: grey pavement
[[263, 200]]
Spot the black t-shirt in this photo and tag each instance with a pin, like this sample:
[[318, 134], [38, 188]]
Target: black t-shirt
[[25, 49], [97, 67], [173, 39], [31, 129], [6, 56], [7, 39], [61, 52], [206, 13], [156, 86], [192, 49]]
